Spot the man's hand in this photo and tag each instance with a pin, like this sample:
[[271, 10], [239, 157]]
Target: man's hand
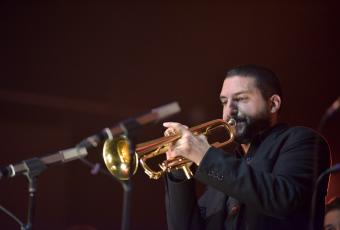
[[193, 147]]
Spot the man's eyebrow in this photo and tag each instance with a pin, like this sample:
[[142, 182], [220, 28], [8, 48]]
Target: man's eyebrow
[[235, 94], [241, 92]]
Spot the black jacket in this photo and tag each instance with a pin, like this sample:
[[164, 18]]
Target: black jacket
[[270, 188]]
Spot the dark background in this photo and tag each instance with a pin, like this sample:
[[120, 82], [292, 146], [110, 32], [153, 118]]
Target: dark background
[[70, 69]]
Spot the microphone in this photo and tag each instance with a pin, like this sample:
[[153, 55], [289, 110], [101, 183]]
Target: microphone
[[329, 113], [131, 124], [333, 108], [39, 164], [333, 169]]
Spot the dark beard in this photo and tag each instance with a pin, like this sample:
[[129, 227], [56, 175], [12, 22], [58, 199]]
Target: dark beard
[[247, 127]]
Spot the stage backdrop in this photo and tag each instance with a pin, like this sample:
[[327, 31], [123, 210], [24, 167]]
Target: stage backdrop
[[70, 69]]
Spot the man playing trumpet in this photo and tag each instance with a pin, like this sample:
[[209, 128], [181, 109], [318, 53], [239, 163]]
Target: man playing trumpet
[[266, 182]]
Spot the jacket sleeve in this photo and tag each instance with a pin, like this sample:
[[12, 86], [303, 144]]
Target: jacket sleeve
[[279, 190], [181, 205]]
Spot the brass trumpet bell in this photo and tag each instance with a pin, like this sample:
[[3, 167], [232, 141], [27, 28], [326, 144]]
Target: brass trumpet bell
[[117, 157]]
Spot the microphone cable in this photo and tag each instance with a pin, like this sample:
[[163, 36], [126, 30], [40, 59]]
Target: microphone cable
[[10, 214]]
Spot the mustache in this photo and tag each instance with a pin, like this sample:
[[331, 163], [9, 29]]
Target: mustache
[[239, 118]]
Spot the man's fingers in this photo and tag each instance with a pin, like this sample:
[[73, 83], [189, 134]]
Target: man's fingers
[[175, 127], [169, 131]]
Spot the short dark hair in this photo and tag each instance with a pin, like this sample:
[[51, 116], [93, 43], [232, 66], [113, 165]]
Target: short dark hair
[[333, 204], [265, 79]]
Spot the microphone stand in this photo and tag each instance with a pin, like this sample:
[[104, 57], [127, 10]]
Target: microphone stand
[[330, 170], [127, 189], [32, 168], [35, 166], [126, 214], [319, 179], [129, 126]]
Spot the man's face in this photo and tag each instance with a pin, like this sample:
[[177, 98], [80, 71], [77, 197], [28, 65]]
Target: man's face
[[332, 220], [243, 101]]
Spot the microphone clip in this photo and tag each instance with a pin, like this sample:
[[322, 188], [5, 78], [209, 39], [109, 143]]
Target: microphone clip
[[31, 168], [34, 167]]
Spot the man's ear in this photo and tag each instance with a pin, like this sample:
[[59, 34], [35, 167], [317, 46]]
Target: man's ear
[[275, 103]]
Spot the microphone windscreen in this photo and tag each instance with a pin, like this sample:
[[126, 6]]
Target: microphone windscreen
[[167, 110]]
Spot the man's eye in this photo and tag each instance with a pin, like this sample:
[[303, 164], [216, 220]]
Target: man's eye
[[240, 98]]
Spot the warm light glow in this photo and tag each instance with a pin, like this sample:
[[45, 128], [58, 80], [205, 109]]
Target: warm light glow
[[109, 159], [124, 167]]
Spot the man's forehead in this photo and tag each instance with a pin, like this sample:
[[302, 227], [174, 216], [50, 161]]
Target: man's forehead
[[238, 84]]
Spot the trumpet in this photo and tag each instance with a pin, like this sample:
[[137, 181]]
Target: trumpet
[[122, 164]]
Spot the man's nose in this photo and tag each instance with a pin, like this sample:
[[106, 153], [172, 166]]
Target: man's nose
[[230, 111]]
